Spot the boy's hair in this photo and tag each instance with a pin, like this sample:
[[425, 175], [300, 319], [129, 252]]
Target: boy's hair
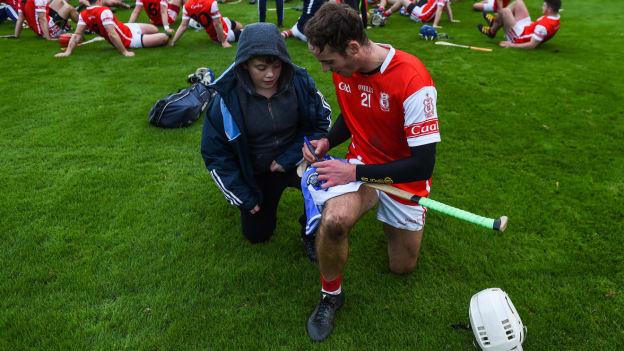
[[268, 59], [335, 25], [555, 5]]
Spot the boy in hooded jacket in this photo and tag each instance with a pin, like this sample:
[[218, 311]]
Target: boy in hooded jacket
[[254, 128]]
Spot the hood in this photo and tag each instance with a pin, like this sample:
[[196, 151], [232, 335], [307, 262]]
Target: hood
[[261, 39]]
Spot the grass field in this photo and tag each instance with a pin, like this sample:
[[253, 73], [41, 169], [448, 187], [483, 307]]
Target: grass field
[[113, 236]]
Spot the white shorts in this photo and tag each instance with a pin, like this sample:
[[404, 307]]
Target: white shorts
[[488, 5], [136, 42], [517, 29], [396, 214]]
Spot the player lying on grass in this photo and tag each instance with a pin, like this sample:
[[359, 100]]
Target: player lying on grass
[[101, 20], [520, 32], [309, 8], [428, 10], [254, 129], [388, 109], [160, 12], [206, 12], [46, 20]]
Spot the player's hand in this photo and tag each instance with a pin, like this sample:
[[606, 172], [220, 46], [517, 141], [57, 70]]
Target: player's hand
[[276, 167], [321, 147], [62, 54], [225, 44], [505, 44], [334, 172], [255, 210], [128, 53], [455, 21], [169, 30]]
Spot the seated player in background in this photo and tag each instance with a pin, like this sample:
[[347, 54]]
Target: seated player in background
[[309, 8], [46, 20], [427, 10], [520, 32], [100, 19], [206, 12], [160, 12]]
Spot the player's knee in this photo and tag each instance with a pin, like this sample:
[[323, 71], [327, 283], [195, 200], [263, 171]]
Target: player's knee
[[334, 226]]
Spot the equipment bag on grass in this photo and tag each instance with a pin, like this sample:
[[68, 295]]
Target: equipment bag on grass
[[180, 109]]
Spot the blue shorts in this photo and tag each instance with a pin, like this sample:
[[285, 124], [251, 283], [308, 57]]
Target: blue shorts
[[7, 12]]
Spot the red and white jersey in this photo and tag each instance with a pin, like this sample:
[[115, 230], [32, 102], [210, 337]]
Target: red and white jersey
[[96, 17], [152, 8], [426, 13], [204, 12], [389, 112], [30, 11], [541, 30]]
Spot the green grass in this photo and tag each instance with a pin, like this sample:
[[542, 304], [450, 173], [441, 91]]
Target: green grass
[[113, 235]]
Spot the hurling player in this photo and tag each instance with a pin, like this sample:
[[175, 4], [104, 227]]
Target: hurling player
[[100, 19], [206, 12], [388, 110], [160, 12], [520, 32]]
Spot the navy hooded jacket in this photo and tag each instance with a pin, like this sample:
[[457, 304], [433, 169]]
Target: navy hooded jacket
[[224, 146]]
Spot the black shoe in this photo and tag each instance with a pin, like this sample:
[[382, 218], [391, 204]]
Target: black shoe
[[489, 18], [486, 30], [321, 322], [309, 247]]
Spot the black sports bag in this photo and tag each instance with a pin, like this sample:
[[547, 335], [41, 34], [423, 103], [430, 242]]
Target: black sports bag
[[180, 109]]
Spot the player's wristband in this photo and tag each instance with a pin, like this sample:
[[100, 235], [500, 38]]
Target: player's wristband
[[166, 27]]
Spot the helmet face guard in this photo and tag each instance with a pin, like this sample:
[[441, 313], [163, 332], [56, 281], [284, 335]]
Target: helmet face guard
[[495, 322], [427, 32]]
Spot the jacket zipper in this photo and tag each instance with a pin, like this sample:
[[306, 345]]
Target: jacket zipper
[[272, 123]]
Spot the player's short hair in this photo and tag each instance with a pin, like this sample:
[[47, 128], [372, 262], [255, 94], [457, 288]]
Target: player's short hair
[[335, 25], [268, 59], [92, 2], [555, 5]]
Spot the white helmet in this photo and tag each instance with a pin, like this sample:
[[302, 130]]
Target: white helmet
[[495, 321]]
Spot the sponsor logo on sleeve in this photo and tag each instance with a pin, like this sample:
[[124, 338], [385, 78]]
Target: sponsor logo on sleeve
[[429, 107], [423, 128]]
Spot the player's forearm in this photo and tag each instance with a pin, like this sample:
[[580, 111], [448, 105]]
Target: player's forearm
[[73, 42], [18, 25], [135, 14], [527, 46], [43, 24], [219, 29], [163, 16], [115, 40], [438, 15], [417, 167], [179, 32], [449, 12]]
